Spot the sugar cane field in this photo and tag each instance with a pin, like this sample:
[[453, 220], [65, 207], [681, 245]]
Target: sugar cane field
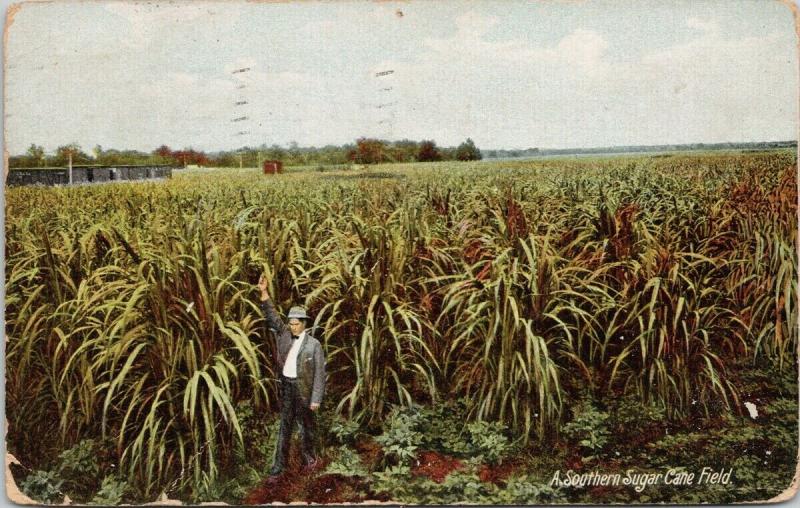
[[486, 324]]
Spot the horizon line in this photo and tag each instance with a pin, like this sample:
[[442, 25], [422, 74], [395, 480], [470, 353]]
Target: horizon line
[[541, 149]]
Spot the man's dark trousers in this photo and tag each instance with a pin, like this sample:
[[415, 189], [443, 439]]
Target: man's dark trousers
[[294, 408]]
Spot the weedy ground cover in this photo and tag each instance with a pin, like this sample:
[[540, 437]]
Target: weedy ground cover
[[542, 293]]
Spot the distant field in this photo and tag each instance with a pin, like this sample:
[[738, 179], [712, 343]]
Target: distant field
[[645, 296], [656, 153]]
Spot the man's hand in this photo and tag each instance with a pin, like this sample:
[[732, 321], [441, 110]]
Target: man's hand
[[262, 286], [314, 406]]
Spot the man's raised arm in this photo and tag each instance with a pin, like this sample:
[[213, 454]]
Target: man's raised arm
[[274, 321]]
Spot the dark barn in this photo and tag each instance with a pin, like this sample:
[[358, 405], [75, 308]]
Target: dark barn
[[85, 174]]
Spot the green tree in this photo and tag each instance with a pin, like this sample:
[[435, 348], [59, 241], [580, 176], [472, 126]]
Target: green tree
[[78, 155], [368, 151], [467, 151], [36, 155], [404, 151], [276, 152], [428, 151]]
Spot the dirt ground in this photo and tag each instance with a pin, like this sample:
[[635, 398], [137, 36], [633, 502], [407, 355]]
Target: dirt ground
[[298, 485]]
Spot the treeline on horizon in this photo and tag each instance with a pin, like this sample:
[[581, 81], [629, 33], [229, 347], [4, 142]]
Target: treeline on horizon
[[534, 152], [363, 151]]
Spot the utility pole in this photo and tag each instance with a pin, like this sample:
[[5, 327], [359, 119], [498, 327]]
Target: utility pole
[[386, 104], [241, 106], [70, 166]]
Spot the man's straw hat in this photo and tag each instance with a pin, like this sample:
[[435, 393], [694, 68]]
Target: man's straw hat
[[298, 312]]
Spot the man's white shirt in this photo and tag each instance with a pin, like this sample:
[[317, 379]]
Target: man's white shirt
[[290, 367]]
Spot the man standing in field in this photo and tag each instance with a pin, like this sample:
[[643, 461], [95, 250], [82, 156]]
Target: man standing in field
[[301, 363]]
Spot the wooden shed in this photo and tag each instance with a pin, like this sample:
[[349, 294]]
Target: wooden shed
[[272, 167]]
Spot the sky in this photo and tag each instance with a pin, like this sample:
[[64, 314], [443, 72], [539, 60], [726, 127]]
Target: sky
[[508, 74]]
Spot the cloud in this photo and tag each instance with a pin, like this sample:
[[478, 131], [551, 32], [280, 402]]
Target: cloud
[[703, 26], [320, 27], [584, 48], [147, 75], [474, 25], [149, 22], [714, 87], [574, 92], [471, 43]]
